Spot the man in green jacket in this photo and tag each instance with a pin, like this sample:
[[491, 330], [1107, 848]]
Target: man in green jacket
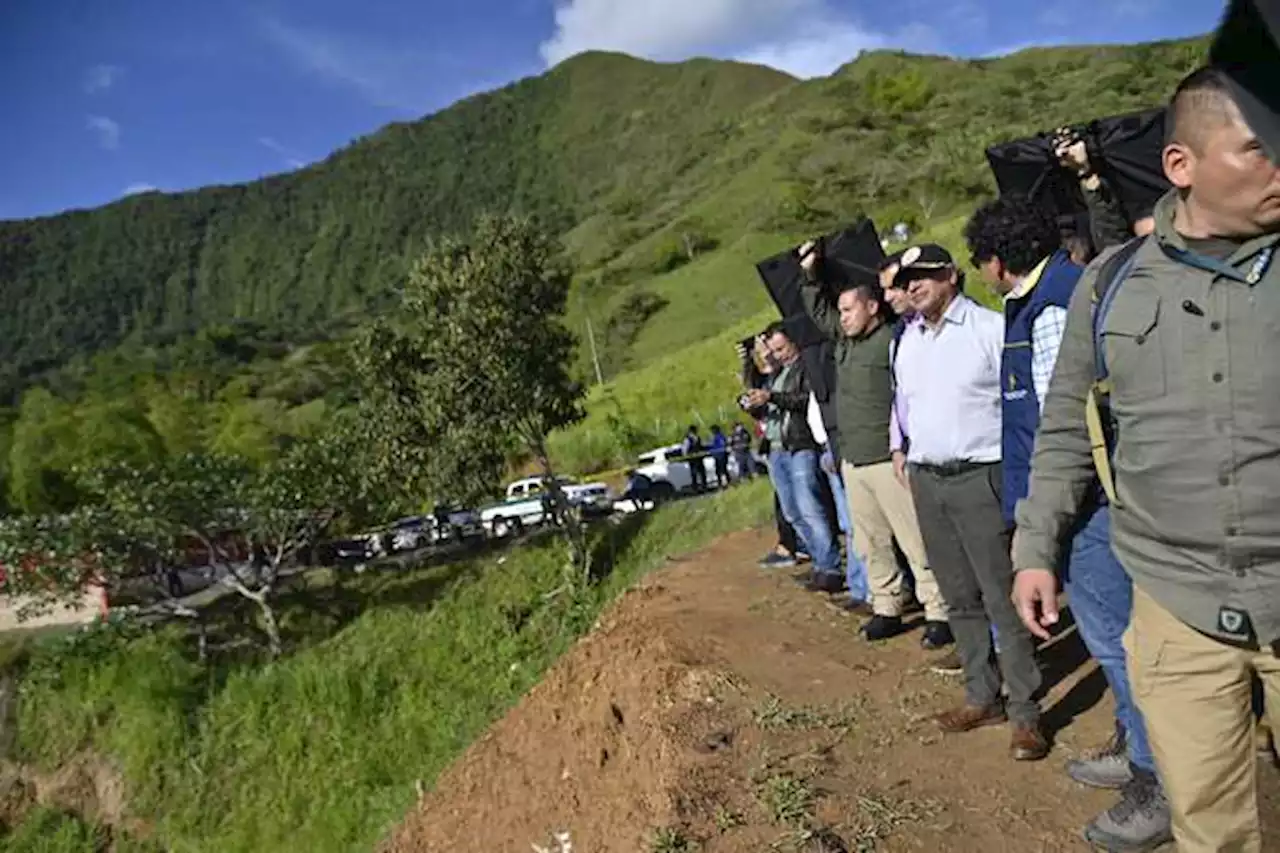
[[1191, 347], [880, 505]]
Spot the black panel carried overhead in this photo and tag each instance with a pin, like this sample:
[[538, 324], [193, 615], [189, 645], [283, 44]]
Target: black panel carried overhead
[[849, 255], [1247, 47], [1125, 149]]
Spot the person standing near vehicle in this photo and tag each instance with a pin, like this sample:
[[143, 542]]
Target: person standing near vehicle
[[691, 449], [740, 447], [719, 450]]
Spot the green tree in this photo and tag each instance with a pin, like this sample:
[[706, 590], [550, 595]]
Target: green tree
[[474, 368], [253, 522]]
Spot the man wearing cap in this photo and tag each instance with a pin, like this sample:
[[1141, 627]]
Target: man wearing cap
[[1189, 343], [949, 373], [880, 507]]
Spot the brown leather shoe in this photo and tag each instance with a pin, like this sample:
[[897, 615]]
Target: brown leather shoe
[[968, 718], [1028, 743]]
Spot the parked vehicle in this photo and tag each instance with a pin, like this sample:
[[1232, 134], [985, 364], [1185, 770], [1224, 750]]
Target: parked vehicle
[[671, 475], [453, 523], [410, 534], [528, 504]]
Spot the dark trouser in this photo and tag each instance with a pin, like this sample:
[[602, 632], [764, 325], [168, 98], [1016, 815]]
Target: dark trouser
[[968, 546], [786, 533], [698, 473], [722, 470]]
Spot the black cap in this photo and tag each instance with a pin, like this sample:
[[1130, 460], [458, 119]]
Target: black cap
[[1247, 48], [929, 256]]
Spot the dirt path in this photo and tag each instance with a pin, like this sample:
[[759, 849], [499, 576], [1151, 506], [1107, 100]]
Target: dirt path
[[718, 707]]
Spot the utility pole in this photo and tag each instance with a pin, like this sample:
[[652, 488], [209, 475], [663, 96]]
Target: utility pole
[[595, 357], [591, 338]]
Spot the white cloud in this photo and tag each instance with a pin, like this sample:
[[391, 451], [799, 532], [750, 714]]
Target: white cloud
[[107, 131], [290, 157], [100, 78], [393, 77], [138, 189], [807, 38]]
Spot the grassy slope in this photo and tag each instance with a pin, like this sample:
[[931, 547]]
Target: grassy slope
[[321, 751]]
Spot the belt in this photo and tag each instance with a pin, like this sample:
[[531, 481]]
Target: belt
[[953, 469]]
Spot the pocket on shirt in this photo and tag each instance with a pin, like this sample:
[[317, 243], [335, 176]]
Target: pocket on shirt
[[1132, 341]]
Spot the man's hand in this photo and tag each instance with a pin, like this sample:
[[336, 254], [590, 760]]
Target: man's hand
[[758, 397], [808, 257], [1071, 152], [1035, 595], [828, 462], [900, 468]]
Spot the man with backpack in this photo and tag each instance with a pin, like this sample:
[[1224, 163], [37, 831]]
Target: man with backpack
[[1017, 247], [1171, 351]]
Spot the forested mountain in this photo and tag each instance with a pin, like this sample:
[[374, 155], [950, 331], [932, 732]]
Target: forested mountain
[[299, 251], [629, 159]]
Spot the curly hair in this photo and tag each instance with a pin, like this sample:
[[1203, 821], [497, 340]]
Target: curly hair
[[1014, 230]]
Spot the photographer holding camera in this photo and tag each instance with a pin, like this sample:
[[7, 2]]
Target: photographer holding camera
[[793, 456]]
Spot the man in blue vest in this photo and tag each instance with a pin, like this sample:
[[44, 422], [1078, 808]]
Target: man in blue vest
[[1017, 248]]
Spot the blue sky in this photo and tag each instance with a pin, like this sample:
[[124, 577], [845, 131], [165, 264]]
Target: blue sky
[[106, 97]]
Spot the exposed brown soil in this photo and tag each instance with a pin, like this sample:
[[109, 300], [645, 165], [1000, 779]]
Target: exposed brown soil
[[86, 786], [719, 707]]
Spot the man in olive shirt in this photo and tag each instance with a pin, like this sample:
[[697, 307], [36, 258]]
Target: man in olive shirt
[[881, 506], [1192, 347]]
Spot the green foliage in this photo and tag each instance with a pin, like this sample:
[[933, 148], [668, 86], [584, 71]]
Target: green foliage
[[474, 367], [320, 750], [609, 152], [138, 519]]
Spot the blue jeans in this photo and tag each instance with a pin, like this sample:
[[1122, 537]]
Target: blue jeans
[[855, 573], [795, 480], [1101, 597]]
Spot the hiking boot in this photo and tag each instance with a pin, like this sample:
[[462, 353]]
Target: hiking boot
[[937, 635], [1028, 743], [1140, 822], [1108, 768], [882, 628], [774, 560], [824, 582], [858, 607], [969, 718], [948, 664]]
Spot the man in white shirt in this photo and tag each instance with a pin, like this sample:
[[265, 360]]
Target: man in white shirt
[[948, 369]]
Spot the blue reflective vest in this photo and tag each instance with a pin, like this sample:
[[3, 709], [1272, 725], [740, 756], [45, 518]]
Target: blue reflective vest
[[1021, 406]]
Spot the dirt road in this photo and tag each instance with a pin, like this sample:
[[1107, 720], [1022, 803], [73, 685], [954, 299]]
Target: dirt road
[[718, 707]]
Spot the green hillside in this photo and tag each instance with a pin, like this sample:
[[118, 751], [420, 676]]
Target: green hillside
[[216, 318], [631, 160]]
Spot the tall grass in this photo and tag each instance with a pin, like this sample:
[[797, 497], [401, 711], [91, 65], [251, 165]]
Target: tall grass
[[321, 751]]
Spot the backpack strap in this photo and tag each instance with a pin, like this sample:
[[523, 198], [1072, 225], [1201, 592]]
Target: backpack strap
[[1098, 417]]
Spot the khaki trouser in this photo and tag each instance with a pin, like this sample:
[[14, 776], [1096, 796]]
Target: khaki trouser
[[1195, 693], [881, 510]]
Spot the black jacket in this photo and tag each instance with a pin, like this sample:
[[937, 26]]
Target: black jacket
[[790, 402]]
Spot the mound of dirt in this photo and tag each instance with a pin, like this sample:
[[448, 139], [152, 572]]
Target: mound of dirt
[[86, 786], [720, 706]]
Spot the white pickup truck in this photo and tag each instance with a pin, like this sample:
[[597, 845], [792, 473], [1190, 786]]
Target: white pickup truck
[[528, 504], [671, 474]]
